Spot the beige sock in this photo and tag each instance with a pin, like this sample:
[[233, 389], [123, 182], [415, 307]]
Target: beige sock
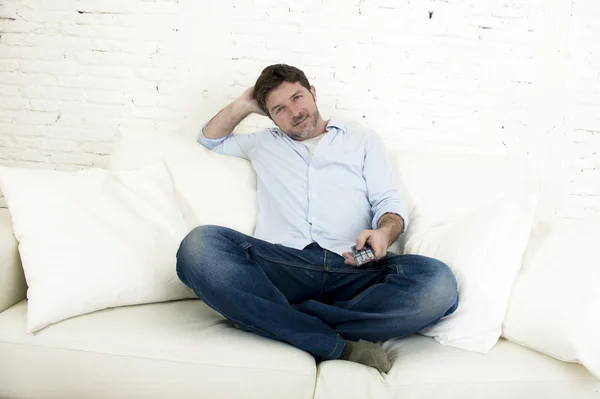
[[367, 353]]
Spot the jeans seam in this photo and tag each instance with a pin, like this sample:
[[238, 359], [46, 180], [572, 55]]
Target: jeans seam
[[355, 271], [337, 343], [288, 264], [359, 297]]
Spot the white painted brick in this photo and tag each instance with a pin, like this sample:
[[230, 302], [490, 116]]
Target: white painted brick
[[161, 8], [98, 147], [82, 82], [14, 103], [154, 113], [126, 46], [103, 122], [30, 52], [510, 11], [27, 117], [441, 83], [577, 212], [9, 91], [25, 130], [49, 67], [83, 159], [22, 79], [44, 16], [17, 25], [136, 19], [8, 65], [249, 14], [491, 77], [97, 109], [263, 29], [54, 144], [29, 141], [107, 6], [106, 97], [43, 105], [53, 93], [585, 188], [88, 133], [158, 74], [116, 32], [112, 59], [61, 43]]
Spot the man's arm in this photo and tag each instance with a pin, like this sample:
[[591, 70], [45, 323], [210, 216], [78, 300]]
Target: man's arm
[[385, 198], [392, 225], [223, 123]]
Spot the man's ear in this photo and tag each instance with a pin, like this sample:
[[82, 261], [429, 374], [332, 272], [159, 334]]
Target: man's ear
[[313, 91]]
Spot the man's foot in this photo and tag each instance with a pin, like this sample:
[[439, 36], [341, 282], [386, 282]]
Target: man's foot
[[366, 353]]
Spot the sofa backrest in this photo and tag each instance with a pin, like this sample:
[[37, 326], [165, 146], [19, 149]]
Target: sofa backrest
[[220, 189]]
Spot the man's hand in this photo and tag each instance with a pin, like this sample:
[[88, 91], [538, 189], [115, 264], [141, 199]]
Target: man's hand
[[389, 227], [377, 240], [248, 100]]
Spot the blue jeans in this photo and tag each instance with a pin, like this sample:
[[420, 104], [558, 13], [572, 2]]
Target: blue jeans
[[310, 298]]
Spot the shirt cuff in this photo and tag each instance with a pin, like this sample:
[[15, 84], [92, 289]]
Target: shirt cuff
[[210, 143], [396, 208]]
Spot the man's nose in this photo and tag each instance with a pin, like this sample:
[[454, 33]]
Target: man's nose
[[296, 111]]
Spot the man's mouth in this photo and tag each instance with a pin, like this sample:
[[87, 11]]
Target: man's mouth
[[305, 118]]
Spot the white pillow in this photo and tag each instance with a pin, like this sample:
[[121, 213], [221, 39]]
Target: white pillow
[[473, 180], [484, 249], [210, 188], [555, 303], [93, 239]]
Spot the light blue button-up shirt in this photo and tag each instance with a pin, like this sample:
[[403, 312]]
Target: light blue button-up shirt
[[329, 196]]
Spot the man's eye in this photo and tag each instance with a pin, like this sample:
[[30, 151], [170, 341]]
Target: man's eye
[[297, 97]]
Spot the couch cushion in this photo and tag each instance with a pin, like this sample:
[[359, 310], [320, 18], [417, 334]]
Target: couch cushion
[[210, 188], [422, 368], [179, 349], [12, 279], [555, 302], [446, 186], [93, 239]]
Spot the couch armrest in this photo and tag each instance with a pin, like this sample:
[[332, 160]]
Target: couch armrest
[[13, 288]]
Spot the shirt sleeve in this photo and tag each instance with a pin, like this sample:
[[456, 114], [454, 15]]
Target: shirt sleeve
[[384, 196], [237, 145]]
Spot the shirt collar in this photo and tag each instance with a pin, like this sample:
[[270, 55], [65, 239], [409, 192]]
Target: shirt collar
[[333, 122]]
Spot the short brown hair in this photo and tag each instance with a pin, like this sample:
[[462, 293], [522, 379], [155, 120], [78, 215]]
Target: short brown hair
[[274, 75]]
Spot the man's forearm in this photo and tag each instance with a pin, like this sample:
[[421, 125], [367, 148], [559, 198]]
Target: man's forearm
[[226, 120], [392, 224]]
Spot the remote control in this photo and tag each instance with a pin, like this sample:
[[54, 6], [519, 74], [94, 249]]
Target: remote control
[[363, 256]]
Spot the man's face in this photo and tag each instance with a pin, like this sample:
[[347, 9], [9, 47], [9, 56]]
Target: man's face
[[294, 110]]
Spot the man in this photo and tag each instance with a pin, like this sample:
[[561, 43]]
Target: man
[[323, 186]]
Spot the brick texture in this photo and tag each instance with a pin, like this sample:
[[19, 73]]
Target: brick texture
[[516, 78]]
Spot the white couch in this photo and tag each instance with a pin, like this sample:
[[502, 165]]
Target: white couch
[[183, 349]]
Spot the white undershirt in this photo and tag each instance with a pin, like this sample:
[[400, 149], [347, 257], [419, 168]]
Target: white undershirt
[[311, 144]]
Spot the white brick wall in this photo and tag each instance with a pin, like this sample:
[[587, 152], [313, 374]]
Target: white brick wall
[[498, 77]]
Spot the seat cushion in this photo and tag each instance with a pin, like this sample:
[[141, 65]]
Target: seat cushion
[[422, 368], [12, 279], [179, 349]]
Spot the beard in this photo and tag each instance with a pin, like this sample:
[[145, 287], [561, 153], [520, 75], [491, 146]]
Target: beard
[[304, 132]]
